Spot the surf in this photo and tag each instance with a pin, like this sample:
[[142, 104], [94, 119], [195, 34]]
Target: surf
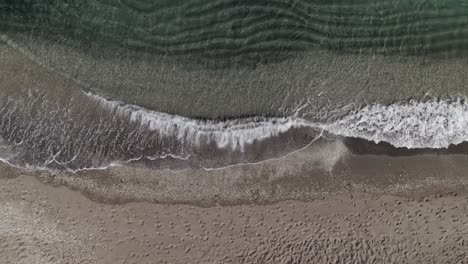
[[118, 136], [414, 124]]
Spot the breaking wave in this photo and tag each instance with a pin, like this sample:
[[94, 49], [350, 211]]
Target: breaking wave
[[37, 133], [235, 134], [414, 124], [430, 124]]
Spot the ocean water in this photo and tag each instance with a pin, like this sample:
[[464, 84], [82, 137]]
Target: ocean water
[[95, 83]]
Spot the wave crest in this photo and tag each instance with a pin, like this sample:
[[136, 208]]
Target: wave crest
[[235, 134], [37, 132], [415, 124]]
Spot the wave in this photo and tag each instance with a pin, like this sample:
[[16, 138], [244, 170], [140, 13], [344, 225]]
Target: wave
[[235, 134], [100, 132], [413, 124]]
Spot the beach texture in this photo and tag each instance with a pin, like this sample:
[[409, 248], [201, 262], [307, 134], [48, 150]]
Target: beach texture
[[231, 131]]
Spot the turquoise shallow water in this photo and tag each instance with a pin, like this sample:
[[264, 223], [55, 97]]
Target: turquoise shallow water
[[184, 78]]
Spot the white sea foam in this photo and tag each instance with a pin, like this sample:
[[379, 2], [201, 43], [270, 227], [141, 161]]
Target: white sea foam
[[413, 124], [235, 134], [430, 124]]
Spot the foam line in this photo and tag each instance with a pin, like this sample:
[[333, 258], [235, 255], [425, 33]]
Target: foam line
[[414, 124], [235, 134]]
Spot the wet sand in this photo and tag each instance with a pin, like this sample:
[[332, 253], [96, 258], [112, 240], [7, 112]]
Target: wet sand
[[323, 169]]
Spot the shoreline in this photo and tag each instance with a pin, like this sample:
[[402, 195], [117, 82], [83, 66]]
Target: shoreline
[[336, 200], [318, 171], [340, 200]]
